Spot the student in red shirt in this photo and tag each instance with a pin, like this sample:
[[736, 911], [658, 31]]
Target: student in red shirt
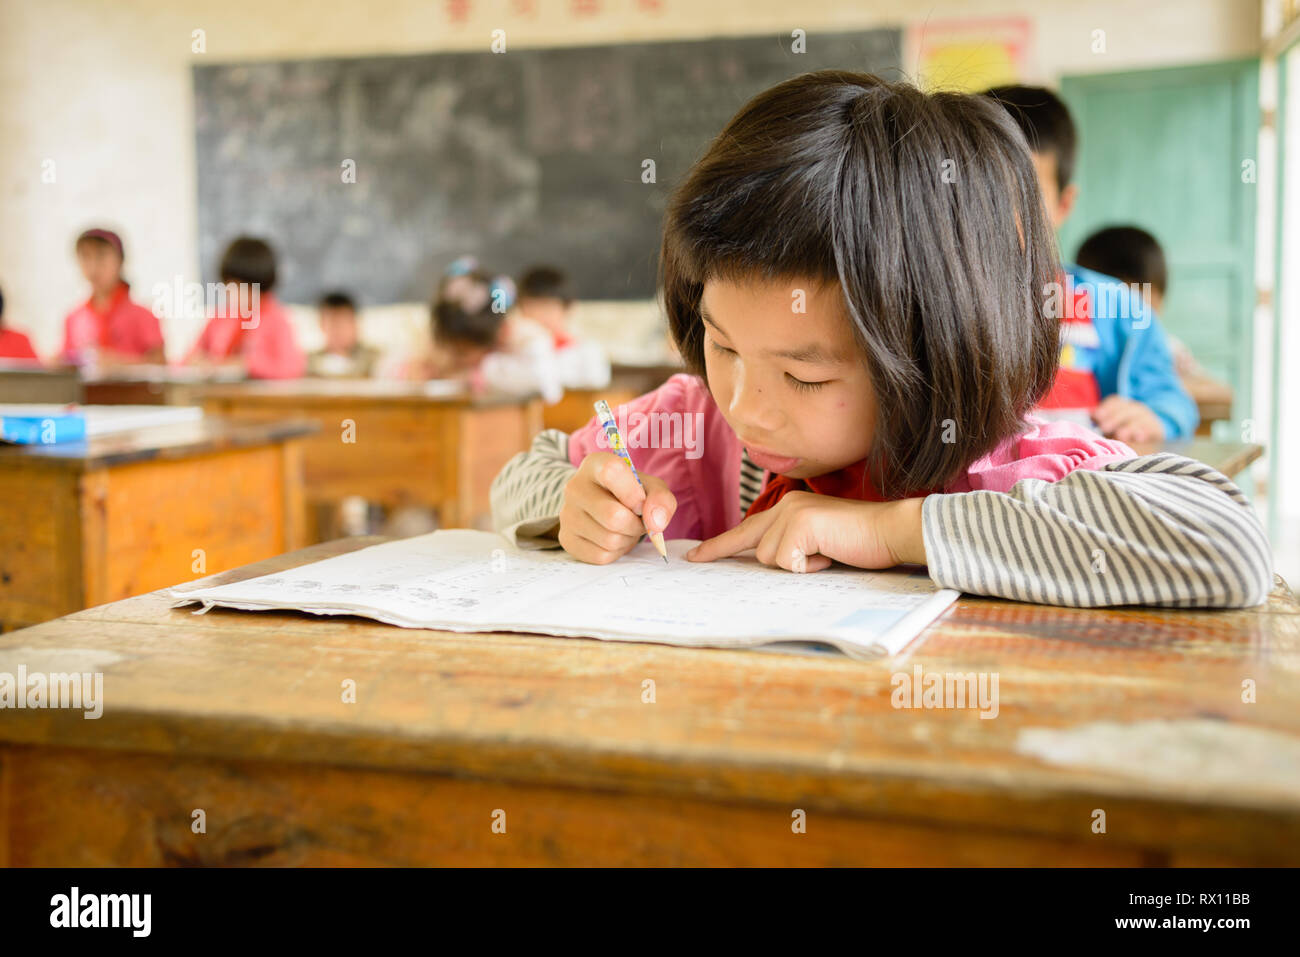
[[251, 329], [13, 344], [108, 328]]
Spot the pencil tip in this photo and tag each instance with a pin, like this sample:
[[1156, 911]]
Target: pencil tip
[[665, 559]]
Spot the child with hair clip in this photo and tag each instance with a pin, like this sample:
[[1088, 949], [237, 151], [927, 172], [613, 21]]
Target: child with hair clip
[[867, 335], [476, 338]]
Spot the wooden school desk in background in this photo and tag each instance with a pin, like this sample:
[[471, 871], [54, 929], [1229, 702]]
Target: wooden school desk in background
[[410, 444], [91, 522], [28, 382], [1213, 400], [1136, 713], [152, 385], [1226, 457], [129, 385], [627, 382]]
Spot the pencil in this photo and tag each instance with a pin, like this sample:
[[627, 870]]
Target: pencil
[[616, 443]]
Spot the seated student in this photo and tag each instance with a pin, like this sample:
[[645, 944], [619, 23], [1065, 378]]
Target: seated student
[[344, 354], [1115, 359], [251, 330], [546, 298], [469, 314], [108, 329], [475, 340], [889, 420], [13, 344], [1131, 255], [545, 304], [1134, 257]]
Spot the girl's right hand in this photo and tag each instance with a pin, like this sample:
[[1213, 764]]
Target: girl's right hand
[[603, 507]]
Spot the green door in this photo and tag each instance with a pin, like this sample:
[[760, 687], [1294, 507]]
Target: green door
[[1173, 151]]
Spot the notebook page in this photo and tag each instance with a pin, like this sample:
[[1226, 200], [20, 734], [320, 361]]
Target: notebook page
[[465, 580]]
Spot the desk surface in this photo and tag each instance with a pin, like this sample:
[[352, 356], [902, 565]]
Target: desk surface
[[290, 391], [1137, 712], [183, 440], [1226, 457]]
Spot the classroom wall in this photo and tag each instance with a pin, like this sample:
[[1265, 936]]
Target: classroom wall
[[102, 91]]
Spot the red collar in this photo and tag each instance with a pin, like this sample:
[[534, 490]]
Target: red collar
[[851, 481], [116, 299]]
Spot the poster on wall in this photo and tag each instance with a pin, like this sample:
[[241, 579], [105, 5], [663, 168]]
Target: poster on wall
[[971, 54]]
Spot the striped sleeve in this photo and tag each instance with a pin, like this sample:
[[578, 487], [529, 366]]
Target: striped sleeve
[[751, 481], [528, 492], [1156, 530]]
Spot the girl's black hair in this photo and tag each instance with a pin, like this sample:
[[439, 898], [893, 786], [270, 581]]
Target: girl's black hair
[[463, 311], [249, 260], [925, 209]]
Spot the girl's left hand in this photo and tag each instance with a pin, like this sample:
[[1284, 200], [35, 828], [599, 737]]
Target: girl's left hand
[[805, 532]]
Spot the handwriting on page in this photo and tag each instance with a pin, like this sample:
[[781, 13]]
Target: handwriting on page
[[474, 581]]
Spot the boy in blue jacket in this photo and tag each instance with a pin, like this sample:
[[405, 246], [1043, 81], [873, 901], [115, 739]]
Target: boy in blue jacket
[[1115, 358]]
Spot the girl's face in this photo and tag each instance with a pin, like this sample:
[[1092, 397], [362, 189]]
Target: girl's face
[[101, 265], [787, 373]]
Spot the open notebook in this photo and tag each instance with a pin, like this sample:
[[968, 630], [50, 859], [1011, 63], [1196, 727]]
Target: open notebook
[[476, 581]]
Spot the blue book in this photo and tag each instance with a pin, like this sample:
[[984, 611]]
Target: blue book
[[42, 429]]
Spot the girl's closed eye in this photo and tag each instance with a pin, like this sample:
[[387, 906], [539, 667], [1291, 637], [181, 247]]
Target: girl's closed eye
[[804, 385]]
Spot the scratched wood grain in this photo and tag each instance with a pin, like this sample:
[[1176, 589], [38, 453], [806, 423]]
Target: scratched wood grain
[[257, 696], [141, 813]]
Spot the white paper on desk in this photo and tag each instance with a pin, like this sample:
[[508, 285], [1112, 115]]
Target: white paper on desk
[[109, 419], [461, 580]]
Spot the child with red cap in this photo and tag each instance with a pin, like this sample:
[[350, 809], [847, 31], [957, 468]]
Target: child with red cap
[[108, 328]]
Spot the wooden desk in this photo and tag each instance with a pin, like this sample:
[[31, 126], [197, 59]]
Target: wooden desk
[[408, 448], [90, 522], [142, 384], [1213, 400], [241, 714], [28, 382], [150, 385], [1226, 457]]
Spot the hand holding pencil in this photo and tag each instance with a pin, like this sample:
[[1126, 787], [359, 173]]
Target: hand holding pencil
[[615, 437], [609, 506]]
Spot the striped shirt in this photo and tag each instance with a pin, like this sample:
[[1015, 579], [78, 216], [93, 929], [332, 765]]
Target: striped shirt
[[1112, 529]]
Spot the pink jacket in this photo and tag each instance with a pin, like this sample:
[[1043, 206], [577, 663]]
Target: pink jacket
[[678, 434], [267, 346]]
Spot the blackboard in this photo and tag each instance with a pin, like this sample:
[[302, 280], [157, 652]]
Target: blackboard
[[527, 156]]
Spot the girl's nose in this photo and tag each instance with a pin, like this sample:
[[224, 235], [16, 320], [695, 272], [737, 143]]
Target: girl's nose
[[753, 403]]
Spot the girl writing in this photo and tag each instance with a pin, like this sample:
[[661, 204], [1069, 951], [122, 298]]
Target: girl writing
[[859, 278]]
